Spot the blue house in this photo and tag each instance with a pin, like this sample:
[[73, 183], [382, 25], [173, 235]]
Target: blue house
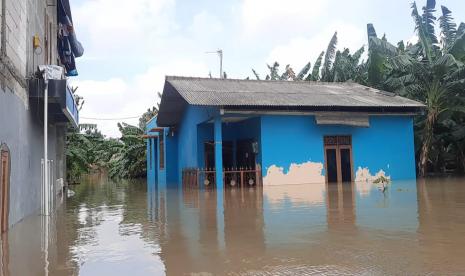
[[227, 132]]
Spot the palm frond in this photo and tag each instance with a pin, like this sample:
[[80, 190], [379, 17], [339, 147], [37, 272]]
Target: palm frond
[[257, 76], [448, 28], [304, 71], [329, 58], [423, 32], [357, 55], [315, 75], [461, 29], [288, 73], [458, 47], [371, 31], [429, 20], [274, 71]]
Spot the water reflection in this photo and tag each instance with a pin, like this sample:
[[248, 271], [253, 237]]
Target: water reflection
[[132, 228]]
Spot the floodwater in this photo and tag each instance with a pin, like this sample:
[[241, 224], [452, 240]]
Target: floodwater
[[129, 228]]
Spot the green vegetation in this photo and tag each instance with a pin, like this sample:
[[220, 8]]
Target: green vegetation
[[431, 71], [125, 157]]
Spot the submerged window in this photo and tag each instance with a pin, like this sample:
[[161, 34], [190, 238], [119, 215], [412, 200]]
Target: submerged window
[[162, 149]]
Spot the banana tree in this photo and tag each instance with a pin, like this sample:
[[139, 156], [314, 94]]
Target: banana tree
[[424, 71]]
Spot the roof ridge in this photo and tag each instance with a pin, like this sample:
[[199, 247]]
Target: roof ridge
[[168, 78]]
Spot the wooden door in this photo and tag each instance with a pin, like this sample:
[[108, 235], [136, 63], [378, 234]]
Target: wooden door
[[338, 159], [5, 185]]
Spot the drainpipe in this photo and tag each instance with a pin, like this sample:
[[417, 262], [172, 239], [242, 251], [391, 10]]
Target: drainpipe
[[46, 165]]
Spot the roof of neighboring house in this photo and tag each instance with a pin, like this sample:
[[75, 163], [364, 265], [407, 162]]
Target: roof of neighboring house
[[275, 95]]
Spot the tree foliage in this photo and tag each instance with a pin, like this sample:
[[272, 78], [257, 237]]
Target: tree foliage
[[125, 157], [431, 71]]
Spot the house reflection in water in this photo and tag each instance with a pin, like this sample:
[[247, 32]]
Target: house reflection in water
[[340, 205], [301, 230], [251, 225]]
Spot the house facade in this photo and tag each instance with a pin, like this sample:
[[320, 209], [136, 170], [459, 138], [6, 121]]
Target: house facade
[[32, 35], [244, 132]]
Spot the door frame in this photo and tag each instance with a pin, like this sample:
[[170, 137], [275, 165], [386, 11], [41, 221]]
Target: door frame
[[326, 147], [349, 147], [5, 160], [338, 148]]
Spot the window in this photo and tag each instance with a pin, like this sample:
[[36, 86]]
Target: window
[[161, 140]]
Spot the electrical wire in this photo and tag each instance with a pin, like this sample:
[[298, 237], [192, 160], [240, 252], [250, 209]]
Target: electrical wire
[[109, 119]]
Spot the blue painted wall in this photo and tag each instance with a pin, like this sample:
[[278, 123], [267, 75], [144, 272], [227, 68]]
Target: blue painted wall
[[152, 164], [168, 175], [187, 136], [387, 144]]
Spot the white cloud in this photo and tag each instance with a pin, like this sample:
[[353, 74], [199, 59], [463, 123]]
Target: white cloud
[[205, 23], [121, 26], [300, 50], [271, 16], [119, 98]]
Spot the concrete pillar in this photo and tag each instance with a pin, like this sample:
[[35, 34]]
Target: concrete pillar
[[218, 153], [218, 136]]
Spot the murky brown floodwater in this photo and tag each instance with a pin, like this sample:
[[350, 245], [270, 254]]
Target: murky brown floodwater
[[112, 228]]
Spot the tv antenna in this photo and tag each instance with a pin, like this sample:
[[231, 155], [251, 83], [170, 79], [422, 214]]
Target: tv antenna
[[219, 52]]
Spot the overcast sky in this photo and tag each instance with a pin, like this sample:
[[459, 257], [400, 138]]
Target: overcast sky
[[131, 45]]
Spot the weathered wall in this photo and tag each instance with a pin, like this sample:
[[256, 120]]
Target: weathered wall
[[22, 131], [292, 148], [21, 126]]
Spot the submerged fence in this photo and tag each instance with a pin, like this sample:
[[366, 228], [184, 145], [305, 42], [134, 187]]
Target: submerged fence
[[232, 177]]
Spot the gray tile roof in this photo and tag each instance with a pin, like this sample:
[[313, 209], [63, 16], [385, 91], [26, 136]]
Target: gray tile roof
[[231, 92], [255, 94]]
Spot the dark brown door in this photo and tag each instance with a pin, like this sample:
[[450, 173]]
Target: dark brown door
[[228, 155], [338, 159], [209, 155], [245, 154], [5, 183], [331, 164], [345, 157]]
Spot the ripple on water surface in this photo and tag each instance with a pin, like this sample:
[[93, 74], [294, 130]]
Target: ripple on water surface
[[130, 228]]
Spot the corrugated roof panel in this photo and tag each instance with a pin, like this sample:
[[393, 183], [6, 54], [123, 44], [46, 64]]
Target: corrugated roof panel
[[227, 92], [274, 94]]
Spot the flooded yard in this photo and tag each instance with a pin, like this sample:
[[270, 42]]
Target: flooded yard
[[133, 228]]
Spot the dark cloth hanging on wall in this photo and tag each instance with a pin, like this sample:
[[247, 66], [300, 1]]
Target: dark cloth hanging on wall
[[69, 47]]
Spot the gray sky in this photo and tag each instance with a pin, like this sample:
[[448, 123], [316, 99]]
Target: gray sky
[[131, 45]]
